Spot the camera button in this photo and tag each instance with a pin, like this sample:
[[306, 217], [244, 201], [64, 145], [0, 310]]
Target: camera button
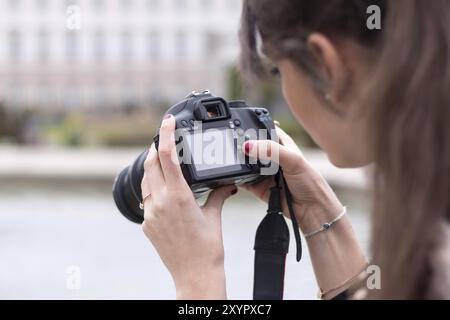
[[237, 123], [265, 111], [258, 112], [184, 123], [192, 122]]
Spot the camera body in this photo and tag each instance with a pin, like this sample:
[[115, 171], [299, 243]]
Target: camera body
[[210, 133], [232, 122]]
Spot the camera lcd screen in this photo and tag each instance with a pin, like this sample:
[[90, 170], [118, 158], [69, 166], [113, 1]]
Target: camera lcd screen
[[212, 149]]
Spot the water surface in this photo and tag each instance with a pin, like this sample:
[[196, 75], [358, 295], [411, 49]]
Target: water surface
[[45, 229]]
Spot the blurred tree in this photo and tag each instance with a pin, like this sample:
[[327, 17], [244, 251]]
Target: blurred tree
[[13, 125], [269, 93], [235, 87], [3, 121], [263, 93]]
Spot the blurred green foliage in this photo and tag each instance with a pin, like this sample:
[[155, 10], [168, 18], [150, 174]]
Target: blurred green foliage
[[234, 84], [68, 132], [117, 130], [133, 126], [295, 130]]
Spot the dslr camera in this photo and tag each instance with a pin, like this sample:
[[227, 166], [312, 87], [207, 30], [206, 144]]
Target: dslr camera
[[210, 133]]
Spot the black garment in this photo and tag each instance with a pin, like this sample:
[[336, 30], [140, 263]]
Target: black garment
[[341, 296]]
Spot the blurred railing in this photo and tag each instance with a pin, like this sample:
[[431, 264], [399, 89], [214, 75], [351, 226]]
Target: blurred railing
[[103, 164]]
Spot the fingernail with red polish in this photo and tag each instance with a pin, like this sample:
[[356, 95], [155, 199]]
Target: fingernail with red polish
[[234, 192], [248, 146], [167, 116]]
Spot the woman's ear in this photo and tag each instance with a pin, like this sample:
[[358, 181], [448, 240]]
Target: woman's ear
[[331, 67]]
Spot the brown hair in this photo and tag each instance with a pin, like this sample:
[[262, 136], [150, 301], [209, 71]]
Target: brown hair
[[409, 98]]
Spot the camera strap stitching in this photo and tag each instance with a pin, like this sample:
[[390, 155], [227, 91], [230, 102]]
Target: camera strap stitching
[[272, 245]]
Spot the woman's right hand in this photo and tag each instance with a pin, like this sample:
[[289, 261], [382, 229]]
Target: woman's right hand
[[314, 202]]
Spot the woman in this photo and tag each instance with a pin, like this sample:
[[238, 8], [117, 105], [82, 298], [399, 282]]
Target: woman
[[365, 96]]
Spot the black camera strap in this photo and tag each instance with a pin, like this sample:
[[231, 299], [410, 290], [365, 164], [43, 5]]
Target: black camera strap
[[272, 244]]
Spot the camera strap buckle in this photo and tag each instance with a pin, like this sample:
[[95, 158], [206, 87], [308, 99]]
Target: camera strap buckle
[[272, 245]]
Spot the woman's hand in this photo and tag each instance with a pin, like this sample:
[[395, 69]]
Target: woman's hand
[[335, 255], [187, 237], [314, 201]]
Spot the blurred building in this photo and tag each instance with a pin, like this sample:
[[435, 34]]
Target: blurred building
[[113, 53]]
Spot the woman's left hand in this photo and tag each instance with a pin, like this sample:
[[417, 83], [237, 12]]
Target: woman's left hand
[[187, 237]]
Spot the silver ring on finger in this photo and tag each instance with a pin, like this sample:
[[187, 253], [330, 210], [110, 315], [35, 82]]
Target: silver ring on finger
[[141, 204]]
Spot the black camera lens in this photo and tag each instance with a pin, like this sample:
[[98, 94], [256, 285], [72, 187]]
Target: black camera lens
[[127, 190]]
